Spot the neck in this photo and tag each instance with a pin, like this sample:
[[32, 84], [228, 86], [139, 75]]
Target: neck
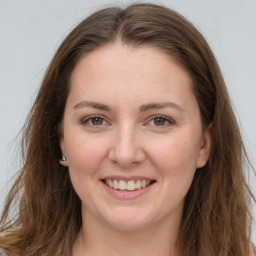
[[97, 238]]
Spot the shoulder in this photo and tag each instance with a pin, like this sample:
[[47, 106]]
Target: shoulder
[[2, 253], [253, 250]]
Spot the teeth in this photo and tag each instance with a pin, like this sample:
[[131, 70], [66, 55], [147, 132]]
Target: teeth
[[131, 185], [143, 183], [138, 184], [122, 185], [115, 184]]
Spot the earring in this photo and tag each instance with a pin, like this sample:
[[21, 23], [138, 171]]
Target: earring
[[63, 159]]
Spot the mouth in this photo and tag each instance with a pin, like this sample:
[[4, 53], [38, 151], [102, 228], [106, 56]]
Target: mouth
[[130, 185]]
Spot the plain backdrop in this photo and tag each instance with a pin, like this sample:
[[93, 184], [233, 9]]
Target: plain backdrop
[[31, 31]]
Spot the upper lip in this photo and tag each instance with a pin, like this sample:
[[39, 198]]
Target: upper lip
[[118, 177]]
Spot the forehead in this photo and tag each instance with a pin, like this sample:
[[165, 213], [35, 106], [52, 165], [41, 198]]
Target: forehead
[[131, 72], [117, 57]]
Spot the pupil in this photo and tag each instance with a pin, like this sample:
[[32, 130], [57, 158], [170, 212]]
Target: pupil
[[97, 121], [159, 121]]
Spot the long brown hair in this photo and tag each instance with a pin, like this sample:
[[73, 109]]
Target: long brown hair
[[216, 217]]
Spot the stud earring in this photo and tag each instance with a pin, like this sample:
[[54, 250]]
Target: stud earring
[[63, 158], [64, 161]]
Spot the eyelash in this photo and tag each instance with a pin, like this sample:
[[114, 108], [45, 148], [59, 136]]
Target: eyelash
[[152, 119], [90, 118], [164, 118]]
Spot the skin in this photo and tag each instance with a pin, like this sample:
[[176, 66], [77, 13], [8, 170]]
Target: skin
[[128, 141]]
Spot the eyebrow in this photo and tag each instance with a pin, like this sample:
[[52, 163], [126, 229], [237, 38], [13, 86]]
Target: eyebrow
[[151, 106], [143, 108], [92, 104]]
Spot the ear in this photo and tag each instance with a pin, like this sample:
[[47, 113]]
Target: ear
[[205, 148], [63, 160]]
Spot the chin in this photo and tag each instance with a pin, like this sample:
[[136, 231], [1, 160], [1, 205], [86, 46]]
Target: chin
[[126, 226], [128, 219]]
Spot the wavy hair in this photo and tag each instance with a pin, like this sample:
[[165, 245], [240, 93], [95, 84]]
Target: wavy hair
[[216, 217]]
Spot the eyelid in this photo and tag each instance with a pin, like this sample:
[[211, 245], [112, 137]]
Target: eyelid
[[166, 118], [88, 118], [170, 121]]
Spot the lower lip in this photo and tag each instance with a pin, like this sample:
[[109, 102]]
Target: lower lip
[[124, 194]]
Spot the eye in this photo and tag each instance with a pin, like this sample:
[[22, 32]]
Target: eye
[[94, 121], [97, 120], [161, 121]]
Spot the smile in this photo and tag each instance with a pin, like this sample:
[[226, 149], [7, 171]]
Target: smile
[[130, 185]]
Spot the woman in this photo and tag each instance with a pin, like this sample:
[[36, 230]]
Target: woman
[[131, 147]]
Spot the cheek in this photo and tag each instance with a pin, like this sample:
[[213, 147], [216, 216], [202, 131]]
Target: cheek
[[175, 157], [85, 157], [85, 154], [175, 162]]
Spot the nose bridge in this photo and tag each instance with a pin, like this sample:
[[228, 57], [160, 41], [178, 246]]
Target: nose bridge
[[126, 149]]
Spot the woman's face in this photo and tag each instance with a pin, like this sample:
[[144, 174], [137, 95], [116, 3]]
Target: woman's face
[[133, 136]]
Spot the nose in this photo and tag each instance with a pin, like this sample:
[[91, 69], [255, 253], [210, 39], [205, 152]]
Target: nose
[[126, 149]]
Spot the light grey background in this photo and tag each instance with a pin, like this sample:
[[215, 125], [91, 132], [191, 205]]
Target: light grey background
[[31, 30]]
